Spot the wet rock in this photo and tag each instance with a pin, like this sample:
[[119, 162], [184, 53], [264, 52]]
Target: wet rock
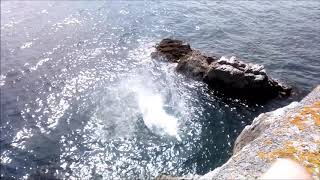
[[229, 76], [195, 64], [234, 77]]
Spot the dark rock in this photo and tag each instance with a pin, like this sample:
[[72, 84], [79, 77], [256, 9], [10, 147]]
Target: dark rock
[[230, 77], [195, 64], [173, 50]]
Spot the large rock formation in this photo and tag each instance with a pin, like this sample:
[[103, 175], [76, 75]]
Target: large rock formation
[[230, 77]]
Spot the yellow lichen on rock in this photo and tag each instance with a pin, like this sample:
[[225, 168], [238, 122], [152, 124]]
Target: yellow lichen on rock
[[313, 111], [309, 159], [297, 121], [268, 141], [317, 104], [262, 155], [299, 150]]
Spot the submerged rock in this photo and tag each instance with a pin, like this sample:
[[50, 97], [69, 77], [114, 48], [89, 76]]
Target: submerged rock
[[229, 76]]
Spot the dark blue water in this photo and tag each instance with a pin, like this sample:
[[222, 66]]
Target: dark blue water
[[81, 97]]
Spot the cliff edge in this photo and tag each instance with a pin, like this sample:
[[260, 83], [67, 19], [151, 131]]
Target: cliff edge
[[289, 132]]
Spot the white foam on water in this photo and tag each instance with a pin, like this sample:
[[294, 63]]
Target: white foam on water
[[154, 115], [150, 101]]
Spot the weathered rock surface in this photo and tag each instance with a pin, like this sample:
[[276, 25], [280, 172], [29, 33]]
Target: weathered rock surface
[[229, 76], [289, 132]]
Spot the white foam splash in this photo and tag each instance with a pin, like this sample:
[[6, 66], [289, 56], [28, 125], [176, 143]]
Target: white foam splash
[[154, 115], [151, 103]]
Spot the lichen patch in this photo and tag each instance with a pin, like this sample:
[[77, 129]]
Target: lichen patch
[[310, 159], [307, 112]]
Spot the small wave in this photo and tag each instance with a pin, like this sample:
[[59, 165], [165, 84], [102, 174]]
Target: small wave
[[124, 12], [11, 24], [71, 21], [67, 21], [26, 45], [40, 63], [44, 11]]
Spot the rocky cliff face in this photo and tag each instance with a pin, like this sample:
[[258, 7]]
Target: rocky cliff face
[[289, 132]]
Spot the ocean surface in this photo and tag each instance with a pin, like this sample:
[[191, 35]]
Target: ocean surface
[[82, 98]]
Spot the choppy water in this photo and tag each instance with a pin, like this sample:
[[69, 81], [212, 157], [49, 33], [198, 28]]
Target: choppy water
[[81, 97]]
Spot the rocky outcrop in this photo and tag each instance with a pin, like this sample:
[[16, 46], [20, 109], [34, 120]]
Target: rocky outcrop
[[172, 50], [229, 76]]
